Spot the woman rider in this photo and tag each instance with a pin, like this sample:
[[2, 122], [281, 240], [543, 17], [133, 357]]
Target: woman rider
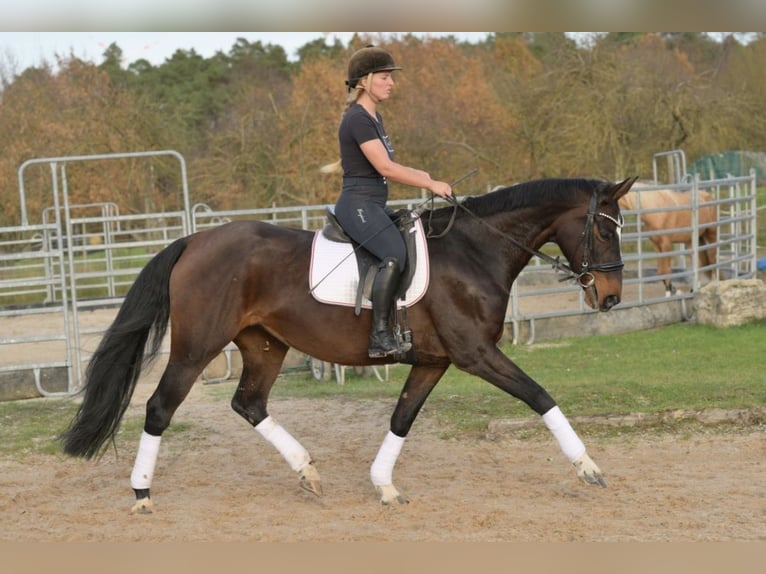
[[367, 161]]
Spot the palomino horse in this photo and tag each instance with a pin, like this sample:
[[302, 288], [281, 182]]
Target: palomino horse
[[247, 282], [675, 215]]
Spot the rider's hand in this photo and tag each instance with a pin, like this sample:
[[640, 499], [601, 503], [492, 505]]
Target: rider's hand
[[442, 189]]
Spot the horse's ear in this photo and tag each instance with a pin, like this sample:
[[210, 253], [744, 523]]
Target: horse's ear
[[620, 189]]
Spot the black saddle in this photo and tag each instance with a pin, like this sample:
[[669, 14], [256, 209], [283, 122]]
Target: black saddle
[[367, 263]]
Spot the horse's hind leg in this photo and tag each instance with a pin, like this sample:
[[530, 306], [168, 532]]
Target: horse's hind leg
[[175, 384], [262, 358], [663, 245], [418, 386]]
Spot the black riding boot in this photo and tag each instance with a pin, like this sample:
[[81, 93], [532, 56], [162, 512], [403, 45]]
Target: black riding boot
[[384, 287]]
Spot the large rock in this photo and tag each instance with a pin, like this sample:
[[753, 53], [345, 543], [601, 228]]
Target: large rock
[[732, 302]]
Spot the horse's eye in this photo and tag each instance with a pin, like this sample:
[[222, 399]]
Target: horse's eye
[[604, 232]]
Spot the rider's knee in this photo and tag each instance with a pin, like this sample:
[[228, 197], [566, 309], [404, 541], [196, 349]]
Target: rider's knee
[[392, 262]]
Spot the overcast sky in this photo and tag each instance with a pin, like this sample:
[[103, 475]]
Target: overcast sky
[[25, 49]]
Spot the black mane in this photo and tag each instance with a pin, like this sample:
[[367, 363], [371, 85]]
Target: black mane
[[554, 191], [560, 192]]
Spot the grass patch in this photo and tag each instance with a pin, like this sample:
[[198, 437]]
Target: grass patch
[[677, 367], [682, 366], [31, 427]]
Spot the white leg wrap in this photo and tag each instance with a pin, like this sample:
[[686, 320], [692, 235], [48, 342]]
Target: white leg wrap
[[146, 460], [382, 467], [571, 445], [293, 452]]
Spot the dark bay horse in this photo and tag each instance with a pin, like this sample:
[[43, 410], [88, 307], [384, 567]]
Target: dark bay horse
[[671, 211], [247, 282]]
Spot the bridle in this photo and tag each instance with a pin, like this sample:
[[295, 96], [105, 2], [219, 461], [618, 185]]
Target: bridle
[[585, 277]]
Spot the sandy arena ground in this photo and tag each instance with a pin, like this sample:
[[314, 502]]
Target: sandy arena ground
[[227, 484], [223, 482]]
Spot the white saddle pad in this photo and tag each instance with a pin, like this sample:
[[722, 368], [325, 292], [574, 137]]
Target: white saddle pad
[[334, 274]]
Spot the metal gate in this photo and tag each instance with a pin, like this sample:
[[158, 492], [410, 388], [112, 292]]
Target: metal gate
[[79, 258]]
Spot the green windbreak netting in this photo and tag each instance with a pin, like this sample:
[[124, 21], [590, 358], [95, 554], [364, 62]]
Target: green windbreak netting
[[735, 163]]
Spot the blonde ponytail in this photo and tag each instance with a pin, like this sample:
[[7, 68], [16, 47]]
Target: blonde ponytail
[[334, 167]]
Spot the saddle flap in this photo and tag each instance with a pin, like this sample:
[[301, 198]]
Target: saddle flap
[[336, 275]]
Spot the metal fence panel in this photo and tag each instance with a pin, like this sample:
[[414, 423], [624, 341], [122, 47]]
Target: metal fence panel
[[84, 258]]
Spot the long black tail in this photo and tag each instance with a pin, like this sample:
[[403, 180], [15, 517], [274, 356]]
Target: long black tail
[[114, 368]]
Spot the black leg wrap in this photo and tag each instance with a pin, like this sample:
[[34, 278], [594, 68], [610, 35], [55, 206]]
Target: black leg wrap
[[141, 493]]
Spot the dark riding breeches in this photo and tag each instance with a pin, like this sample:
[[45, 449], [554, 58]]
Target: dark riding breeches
[[364, 218]]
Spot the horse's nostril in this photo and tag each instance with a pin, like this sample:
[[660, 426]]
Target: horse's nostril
[[610, 301]]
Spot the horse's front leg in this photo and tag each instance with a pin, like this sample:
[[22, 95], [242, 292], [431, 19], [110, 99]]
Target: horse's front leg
[[572, 447], [262, 357], [499, 370], [419, 384]]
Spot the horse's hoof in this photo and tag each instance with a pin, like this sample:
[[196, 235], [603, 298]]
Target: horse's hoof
[[595, 480], [388, 495], [588, 471], [309, 479], [143, 506], [312, 486]]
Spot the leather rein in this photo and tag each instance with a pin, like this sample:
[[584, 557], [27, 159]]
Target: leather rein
[[585, 277]]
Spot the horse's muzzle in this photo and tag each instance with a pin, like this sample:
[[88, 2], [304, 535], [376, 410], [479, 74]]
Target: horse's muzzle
[[588, 283]]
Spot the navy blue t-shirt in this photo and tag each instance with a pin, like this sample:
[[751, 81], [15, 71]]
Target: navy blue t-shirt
[[361, 207], [356, 128]]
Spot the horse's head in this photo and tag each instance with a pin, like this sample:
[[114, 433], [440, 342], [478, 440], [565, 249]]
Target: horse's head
[[589, 237]]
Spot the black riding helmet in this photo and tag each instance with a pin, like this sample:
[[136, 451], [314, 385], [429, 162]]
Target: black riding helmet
[[369, 60]]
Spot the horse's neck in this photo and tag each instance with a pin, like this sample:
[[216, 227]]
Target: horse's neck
[[529, 227]]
